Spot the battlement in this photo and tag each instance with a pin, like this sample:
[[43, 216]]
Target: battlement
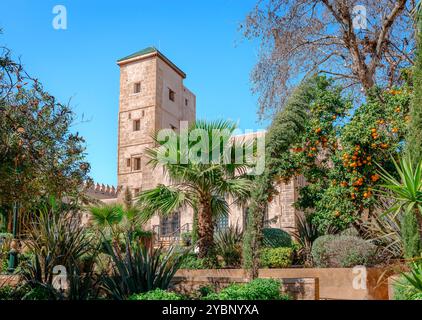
[[102, 191]]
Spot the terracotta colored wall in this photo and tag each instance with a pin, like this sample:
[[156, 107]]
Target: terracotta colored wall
[[333, 283]]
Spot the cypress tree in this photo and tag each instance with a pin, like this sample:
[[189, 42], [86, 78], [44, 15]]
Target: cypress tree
[[410, 235], [409, 227], [414, 139]]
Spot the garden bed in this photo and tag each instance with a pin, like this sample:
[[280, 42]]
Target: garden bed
[[301, 283]]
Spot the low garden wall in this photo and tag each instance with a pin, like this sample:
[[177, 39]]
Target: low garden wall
[[301, 283]]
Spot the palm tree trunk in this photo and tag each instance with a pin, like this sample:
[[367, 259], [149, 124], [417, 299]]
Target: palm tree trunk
[[205, 229]]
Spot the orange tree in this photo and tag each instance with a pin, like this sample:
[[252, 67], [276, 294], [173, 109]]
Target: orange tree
[[334, 143], [337, 152]]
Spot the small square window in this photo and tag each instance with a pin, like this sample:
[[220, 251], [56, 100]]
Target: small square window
[[137, 164], [143, 113], [186, 102], [136, 191], [128, 162], [172, 127], [136, 125], [137, 87], [171, 94]]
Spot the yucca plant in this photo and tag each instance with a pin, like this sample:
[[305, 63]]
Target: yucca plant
[[228, 245], [406, 193], [137, 269], [55, 238], [305, 235], [383, 229]]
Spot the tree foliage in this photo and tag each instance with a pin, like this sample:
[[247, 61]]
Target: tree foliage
[[334, 145], [300, 37], [202, 185], [287, 126], [39, 155]]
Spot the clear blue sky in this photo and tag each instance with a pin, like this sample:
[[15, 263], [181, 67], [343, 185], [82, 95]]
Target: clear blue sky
[[79, 63]]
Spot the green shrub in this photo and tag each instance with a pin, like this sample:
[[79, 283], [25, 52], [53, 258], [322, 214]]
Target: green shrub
[[6, 293], [4, 264], [258, 289], [276, 257], [275, 238], [186, 238], [40, 293], [350, 232], [14, 293], [339, 251], [191, 261], [157, 294]]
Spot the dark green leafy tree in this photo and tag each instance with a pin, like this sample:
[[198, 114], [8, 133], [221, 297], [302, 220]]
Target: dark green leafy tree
[[39, 155]]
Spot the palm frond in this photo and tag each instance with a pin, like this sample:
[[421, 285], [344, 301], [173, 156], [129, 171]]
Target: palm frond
[[164, 200]]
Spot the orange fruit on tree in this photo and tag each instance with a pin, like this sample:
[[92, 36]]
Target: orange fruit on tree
[[375, 177]]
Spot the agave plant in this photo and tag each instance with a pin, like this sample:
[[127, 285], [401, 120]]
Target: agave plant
[[405, 191], [137, 269]]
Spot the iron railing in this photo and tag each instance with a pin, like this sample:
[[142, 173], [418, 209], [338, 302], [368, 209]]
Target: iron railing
[[171, 237]]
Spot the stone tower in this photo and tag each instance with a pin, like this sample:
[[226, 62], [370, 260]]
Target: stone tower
[[152, 97]]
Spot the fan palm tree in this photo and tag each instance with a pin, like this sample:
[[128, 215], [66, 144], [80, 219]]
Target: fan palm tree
[[113, 220], [107, 217], [203, 181], [406, 190]]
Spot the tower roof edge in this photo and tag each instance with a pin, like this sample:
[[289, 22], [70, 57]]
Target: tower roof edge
[[147, 52]]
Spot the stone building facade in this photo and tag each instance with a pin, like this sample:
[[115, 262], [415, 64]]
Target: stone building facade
[[153, 97]]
